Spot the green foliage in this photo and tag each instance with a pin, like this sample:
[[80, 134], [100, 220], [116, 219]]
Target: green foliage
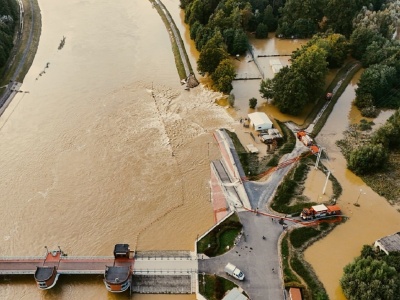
[[300, 172], [361, 38], [382, 21], [214, 287], [8, 22], [223, 76], [340, 15], [290, 91], [389, 134], [240, 42], [269, 19], [365, 125], [267, 88], [216, 242], [300, 18], [262, 31], [376, 81], [212, 54], [252, 103], [300, 236], [364, 100], [312, 64], [368, 158], [288, 276], [367, 278], [292, 88]]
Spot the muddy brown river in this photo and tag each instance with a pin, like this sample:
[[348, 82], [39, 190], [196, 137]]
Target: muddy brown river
[[107, 147]]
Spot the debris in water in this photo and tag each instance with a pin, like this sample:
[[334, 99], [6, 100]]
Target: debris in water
[[62, 43]]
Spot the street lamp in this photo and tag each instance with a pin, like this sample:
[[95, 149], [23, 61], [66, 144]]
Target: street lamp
[[358, 197]]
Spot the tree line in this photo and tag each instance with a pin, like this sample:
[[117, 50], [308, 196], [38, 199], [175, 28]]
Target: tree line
[[372, 276], [369, 38], [8, 21]]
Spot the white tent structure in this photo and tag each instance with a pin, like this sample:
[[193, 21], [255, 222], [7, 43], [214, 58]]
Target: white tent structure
[[276, 65], [260, 121]]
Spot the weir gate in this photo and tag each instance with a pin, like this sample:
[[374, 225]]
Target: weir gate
[[148, 272]]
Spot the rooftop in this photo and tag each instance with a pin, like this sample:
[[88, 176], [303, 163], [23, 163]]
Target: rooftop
[[117, 274], [390, 243]]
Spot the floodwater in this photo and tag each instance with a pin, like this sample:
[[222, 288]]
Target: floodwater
[[90, 158], [373, 219], [247, 68]]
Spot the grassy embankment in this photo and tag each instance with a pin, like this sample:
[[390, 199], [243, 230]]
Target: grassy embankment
[[221, 238], [178, 59], [29, 21]]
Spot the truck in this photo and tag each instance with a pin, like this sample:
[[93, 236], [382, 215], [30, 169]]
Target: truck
[[233, 271], [303, 137], [319, 211]]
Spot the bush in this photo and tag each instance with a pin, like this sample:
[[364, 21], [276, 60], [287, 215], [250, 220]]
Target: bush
[[300, 236], [253, 103], [368, 159]]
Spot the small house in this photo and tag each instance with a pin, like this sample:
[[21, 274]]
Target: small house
[[260, 121], [390, 243]]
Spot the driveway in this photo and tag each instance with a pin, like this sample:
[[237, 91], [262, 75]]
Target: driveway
[[254, 256]]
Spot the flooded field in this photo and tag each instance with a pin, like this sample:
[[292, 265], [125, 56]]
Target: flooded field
[[374, 218]]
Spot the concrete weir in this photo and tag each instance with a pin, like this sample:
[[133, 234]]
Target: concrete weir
[[165, 272], [162, 284]]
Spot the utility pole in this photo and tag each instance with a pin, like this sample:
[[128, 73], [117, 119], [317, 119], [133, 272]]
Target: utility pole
[[318, 157], [358, 197], [326, 182]]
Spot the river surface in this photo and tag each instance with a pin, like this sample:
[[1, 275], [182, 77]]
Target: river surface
[[90, 158], [373, 219]]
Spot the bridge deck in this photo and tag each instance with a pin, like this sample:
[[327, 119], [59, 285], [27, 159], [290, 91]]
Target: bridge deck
[[66, 265]]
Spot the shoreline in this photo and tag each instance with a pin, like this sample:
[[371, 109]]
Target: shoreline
[[24, 51]]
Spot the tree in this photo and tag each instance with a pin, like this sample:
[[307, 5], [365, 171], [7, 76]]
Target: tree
[[368, 159], [340, 15], [361, 38], [377, 80], [389, 134], [267, 88], [290, 91], [312, 65], [269, 19], [212, 54], [223, 76], [252, 103], [370, 279], [210, 58], [240, 43], [262, 31], [306, 13]]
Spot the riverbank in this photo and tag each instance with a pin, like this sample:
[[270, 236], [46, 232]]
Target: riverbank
[[24, 50]]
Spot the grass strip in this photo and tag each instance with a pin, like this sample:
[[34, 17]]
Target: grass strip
[[175, 49], [221, 238], [213, 287]]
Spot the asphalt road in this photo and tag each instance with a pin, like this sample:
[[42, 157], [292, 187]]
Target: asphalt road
[[254, 256]]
